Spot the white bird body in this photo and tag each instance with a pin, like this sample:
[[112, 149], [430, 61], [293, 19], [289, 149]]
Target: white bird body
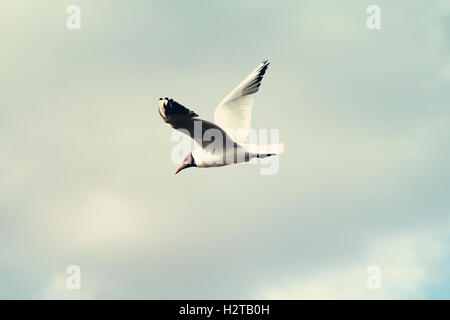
[[225, 141], [205, 158]]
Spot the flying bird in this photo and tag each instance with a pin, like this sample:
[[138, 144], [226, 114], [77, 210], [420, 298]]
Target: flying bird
[[226, 140]]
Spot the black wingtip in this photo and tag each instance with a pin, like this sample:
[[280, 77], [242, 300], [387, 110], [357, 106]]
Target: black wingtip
[[265, 65], [263, 69]]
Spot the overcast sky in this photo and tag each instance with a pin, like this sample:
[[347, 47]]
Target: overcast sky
[[85, 159]]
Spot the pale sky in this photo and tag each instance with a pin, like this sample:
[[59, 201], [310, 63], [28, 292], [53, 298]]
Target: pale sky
[[85, 159]]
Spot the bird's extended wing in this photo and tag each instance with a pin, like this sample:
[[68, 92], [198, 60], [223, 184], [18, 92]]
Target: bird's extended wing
[[187, 121], [234, 112]]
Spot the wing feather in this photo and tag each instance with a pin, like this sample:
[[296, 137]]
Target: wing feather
[[234, 112], [187, 122]]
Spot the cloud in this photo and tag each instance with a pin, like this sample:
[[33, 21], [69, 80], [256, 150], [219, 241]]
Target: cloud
[[85, 160], [407, 262]]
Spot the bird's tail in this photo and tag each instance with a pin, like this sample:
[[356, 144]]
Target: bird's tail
[[266, 150]]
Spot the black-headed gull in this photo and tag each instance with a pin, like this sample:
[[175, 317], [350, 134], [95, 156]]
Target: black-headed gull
[[226, 140]]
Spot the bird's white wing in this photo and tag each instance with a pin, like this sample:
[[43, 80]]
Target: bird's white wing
[[234, 112]]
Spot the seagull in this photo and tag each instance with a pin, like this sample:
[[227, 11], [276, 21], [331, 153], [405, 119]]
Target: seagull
[[226, 140]]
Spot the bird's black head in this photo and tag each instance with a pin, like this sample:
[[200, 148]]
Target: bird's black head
[[187, 163]]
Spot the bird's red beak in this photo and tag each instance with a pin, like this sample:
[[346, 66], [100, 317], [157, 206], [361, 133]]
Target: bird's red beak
[[183, 166]]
